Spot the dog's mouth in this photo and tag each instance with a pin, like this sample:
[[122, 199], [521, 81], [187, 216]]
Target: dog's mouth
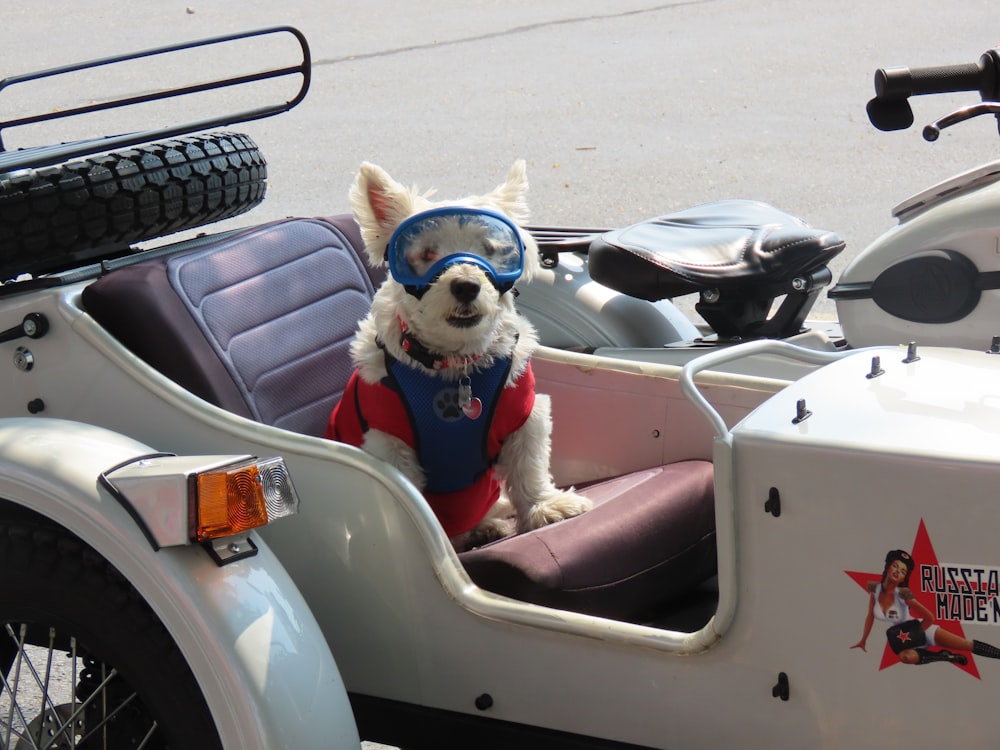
[[464, 318]]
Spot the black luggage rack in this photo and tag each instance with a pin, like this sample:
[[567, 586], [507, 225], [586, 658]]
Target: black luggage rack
[[57, 153]]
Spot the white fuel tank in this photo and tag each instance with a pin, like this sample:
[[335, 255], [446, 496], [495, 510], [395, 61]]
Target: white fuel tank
[[933, 278]]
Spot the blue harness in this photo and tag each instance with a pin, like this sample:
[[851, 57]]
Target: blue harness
[[452, 448]]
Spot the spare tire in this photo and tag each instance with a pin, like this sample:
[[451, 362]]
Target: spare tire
[[54, 218]]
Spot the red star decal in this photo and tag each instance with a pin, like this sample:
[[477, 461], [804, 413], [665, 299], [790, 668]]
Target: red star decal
[[923, 554], [903, 636]]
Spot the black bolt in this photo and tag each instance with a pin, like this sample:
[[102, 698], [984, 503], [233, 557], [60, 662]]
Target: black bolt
[[781, 690], [36, 405], [35, 325], [876, 368], [484, 702], [801, 412]]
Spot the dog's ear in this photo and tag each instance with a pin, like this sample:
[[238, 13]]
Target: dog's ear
[[380, 204], [511, 197]]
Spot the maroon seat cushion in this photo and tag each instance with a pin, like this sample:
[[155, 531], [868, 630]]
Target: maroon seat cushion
[[650, 538]]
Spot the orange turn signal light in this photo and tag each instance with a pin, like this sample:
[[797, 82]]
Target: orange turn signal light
[[236, 498]]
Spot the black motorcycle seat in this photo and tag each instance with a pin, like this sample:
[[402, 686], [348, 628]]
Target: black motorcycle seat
[[719, 245]]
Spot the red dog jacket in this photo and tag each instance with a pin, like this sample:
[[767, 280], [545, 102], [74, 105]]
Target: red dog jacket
[[457, 453]]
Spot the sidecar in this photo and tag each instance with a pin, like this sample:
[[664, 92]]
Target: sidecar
[[745, 502]]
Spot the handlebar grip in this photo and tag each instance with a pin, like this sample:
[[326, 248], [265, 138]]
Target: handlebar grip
[[890, 109], [902, 82]]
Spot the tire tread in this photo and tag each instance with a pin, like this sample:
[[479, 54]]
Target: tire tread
[[53, 218]]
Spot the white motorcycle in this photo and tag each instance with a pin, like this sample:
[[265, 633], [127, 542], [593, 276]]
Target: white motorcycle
[[185, 562], [757, 271]]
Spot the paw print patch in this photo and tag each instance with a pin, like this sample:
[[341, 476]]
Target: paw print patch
[[446, 406]]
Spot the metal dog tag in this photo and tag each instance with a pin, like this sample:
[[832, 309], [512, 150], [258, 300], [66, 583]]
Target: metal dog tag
[[471, 406]]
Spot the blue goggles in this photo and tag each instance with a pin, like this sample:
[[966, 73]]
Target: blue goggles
[[424, 245]]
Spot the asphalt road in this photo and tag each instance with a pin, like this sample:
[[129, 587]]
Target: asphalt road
[[624, 109]]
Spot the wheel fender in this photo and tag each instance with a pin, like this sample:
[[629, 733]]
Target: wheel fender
[[246, 632]]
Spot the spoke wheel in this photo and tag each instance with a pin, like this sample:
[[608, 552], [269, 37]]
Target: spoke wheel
[[84, 662], [58, 728]]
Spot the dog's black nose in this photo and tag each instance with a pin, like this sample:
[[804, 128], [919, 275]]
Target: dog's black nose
[[464, 291]]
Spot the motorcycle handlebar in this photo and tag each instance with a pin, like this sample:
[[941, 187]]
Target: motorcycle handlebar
[[900, 83], [890, 109]]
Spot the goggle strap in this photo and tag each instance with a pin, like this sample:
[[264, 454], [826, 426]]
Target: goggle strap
[[416, 291]]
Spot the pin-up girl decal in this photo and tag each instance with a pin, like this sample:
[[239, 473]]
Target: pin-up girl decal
[[912, 632]]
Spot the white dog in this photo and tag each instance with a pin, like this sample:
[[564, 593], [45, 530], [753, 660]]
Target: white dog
[[443, 389]]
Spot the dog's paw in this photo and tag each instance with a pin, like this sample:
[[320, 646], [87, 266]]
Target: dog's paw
[[489, 531], [553, 506]]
